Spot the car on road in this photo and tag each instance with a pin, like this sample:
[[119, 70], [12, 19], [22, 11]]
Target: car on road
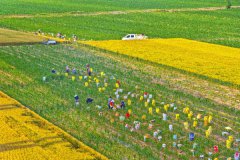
[[134, 37], [50, 42]]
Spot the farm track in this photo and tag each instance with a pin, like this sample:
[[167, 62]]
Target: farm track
[[79, 13]]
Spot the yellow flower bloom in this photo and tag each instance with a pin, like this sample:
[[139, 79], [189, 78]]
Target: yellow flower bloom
[[211, 60], [33, 137]]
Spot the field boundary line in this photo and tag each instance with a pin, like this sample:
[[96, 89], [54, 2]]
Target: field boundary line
[[79, 13]]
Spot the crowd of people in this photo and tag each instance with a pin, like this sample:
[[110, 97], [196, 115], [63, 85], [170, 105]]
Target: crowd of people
[[146, 98], [59, 35]]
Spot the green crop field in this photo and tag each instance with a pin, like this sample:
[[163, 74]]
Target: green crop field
[[23, 67], [56, 6], [192, 25]]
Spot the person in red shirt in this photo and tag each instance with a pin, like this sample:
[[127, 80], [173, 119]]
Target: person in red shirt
[[111, 104]]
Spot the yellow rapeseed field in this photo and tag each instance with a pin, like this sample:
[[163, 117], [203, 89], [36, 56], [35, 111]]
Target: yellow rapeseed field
[[214, 61], [27, 136]]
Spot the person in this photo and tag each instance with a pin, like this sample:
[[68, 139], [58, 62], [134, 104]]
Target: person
[[67, 69], [76, 97], [127, 115], [74, 38], [74, 71], [137, 125], [111, 104], [236, 156], [89, 100], [53, 71], [118, 82], [100, 113], [59, 35], [118, 107], [39, 31], [122, 105], [145, 95], [88, 70], [109, 100]]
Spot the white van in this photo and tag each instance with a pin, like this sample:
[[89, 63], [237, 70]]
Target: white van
[[134, 37]]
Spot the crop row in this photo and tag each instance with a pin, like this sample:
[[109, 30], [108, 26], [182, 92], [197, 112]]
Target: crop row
[[36, 7], [54, 100], [191, 25]]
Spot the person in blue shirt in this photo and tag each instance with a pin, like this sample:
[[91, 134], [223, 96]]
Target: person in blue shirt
[[74, 71], [88, 70], [122, 105], [76, 97], [67, 69], [109, 101], [89, 100], [53, 71]]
